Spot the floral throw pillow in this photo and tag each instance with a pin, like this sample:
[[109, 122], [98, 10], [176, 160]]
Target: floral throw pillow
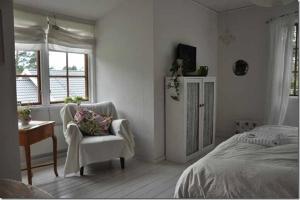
[[91, 123]]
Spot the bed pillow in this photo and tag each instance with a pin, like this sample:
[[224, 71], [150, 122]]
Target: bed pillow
[[91, 123]]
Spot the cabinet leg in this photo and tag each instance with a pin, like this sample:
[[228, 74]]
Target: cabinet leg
[[28, 164], [81, 171], [122, 160], [54, 139]]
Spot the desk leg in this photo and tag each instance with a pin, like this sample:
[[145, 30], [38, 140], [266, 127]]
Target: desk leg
[[28, 163], [54, 139]]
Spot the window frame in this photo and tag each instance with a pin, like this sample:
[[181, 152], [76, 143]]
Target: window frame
[[295, 70], [67, 76], [38, 76]]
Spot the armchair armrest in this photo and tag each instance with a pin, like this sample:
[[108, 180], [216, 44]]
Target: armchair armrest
[[73, 137], [120, 127], [73, 133]]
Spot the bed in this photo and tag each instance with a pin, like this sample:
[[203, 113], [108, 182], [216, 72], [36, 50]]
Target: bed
[[236, 169]]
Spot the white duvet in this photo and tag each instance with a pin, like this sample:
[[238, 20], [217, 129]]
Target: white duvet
[[241, 170]]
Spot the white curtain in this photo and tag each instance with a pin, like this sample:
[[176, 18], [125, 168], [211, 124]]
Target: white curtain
[[34, 29], [279, 68], [30, 35], [29, 28], [71, 34], [62, 37]]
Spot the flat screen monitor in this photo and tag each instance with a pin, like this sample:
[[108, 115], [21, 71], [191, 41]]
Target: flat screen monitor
[[188, 55]]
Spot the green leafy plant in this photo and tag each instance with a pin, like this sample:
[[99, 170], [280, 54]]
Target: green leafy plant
[[76, 99], [24, 113], [174, 81]]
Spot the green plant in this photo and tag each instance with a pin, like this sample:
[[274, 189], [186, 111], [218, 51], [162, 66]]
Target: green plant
[[24, 113], [174, 83], [76, 99]]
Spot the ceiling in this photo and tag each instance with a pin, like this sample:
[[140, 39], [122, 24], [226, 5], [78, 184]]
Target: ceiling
[[224, 5], [84, 9], [95, 9]]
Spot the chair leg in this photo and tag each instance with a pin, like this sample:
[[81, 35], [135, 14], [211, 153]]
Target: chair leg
[[81, 171], [122, 160]]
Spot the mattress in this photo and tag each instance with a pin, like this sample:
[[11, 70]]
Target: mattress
[[237, 169]]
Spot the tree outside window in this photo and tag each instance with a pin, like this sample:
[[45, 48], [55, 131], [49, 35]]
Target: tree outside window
[[28, 77]]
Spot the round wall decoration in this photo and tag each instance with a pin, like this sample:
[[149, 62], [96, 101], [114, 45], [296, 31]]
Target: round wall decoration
[[240, 68]]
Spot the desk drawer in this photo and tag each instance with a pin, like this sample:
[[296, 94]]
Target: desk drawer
[[35, 135]]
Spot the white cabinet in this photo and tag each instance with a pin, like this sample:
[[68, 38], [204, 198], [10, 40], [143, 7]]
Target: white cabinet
[[190, 121]]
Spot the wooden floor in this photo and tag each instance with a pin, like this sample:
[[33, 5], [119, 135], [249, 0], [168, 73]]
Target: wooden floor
[[139, 180]]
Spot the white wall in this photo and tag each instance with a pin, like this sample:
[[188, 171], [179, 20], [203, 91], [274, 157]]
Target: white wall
[[135, 50], [125, 71], [244, 97], [180, 21], [9, 142]]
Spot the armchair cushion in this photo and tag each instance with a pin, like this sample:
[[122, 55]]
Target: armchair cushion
[[100, 148], [91, 123]]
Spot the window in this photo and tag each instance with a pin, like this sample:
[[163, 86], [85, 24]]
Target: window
[[68, 73], [295, 72], [28, 80]]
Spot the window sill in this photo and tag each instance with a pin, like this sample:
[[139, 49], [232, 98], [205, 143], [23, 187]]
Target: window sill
[[55, 105]]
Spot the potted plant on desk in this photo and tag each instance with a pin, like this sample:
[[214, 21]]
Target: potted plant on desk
[[24, 115]]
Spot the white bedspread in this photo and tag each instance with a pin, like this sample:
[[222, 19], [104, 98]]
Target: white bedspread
[[260, 138], [242, 170]]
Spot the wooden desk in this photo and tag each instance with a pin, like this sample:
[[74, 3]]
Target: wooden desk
[[35, 132]]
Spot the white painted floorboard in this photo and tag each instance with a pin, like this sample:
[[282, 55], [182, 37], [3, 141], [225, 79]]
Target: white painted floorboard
[[140, 179]]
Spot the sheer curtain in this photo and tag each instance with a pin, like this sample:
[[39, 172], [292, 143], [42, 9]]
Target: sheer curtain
[[70, 35], [29, 28], [279, 68]]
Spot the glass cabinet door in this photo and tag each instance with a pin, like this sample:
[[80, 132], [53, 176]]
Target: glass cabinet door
[[192, 126], [208, 128]]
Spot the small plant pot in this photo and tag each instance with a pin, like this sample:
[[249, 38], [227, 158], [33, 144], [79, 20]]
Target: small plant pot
[[203, 71], [25, 121]]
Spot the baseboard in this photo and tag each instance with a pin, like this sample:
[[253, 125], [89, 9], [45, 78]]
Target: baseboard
[[159, 159], [151, 160]]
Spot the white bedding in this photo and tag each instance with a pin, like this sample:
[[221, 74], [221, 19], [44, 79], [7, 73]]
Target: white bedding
[[241, 170]]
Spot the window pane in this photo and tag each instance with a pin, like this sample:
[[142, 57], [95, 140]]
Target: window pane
[[27, 90], [26, 62], [295, 36], [76, 64], [294, 90], [297, 85], [57, 63], [77, 87], [58, 88]]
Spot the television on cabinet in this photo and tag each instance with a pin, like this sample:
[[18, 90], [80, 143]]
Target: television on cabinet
[[188, 55]]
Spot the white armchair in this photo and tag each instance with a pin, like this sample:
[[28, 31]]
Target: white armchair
[[91, 149]]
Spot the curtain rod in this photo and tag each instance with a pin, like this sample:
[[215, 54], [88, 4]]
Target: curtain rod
[[284, 15]]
